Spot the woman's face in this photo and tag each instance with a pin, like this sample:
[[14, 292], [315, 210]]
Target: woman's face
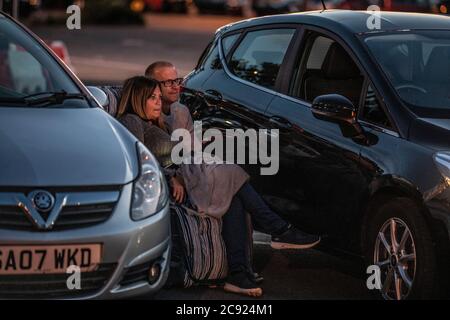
[[153, 105]]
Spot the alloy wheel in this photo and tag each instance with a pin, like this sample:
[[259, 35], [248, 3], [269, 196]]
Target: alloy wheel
[[395, 255]]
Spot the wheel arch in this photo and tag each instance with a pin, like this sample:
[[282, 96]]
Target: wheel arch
[[382, 190], [393, 187]]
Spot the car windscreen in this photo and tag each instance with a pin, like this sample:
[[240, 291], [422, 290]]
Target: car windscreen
[[27, 70], [417, 64]]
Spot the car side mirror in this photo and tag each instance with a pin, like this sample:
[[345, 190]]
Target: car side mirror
[[338, 109], [100, 96]]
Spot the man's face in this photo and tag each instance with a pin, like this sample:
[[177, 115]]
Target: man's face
[[171, 93]]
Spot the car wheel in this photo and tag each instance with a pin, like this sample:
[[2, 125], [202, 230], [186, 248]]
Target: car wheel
[[400, 244]]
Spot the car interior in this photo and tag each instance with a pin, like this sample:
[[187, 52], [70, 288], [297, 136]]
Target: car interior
[[437, 71], [328, 69], [418, 72], [20, 72], [259, 56]]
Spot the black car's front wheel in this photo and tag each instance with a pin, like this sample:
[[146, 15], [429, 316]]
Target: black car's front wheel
[[400, 244]]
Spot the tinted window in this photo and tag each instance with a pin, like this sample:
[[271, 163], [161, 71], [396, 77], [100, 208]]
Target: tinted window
[[318, 54], [210, 58], [326, 68], [204, 55], [417, 64], [259, 56], [227, 43]]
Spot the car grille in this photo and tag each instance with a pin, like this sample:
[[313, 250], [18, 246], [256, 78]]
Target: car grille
[[53, 286], [87, 209]]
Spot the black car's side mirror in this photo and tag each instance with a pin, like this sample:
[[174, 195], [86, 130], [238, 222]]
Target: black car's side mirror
[[338, 109]]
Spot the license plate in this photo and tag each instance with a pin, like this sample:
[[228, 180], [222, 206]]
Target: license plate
[[48, 259]]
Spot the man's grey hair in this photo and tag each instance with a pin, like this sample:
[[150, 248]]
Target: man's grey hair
[[150, 71]]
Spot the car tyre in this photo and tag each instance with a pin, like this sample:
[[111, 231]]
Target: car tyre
[[408, 270]]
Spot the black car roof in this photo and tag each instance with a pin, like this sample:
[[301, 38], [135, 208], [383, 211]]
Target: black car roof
[[351, 21]]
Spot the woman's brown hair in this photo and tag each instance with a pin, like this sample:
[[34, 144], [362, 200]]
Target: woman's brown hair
[[135, 93]]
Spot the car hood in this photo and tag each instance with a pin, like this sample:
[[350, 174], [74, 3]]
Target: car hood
[[434, 133], [64, 147]]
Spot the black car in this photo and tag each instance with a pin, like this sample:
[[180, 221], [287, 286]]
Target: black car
[[364, 131]]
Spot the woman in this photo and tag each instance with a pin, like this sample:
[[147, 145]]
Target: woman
[[219, 190]]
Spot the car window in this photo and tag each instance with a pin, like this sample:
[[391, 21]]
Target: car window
[[25, 67], [228, 41], [318, 54], [417, 65], [326, 68], [373, 111], [212, 60], [204, 55], [259, 56]]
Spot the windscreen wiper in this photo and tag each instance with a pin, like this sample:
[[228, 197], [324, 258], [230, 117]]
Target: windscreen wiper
[[42, 99], [47, 98]]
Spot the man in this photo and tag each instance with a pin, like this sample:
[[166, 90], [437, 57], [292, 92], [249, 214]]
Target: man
[[177, 114]]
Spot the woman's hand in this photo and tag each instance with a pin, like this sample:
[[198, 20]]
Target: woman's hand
[[178, 190]]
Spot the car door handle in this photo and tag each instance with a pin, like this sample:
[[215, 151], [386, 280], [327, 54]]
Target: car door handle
[[213, 96], [280, 123]]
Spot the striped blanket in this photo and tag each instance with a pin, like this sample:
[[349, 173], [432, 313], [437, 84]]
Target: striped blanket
[[204, 252]]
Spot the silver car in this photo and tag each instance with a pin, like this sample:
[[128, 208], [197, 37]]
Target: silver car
[[83, 205]]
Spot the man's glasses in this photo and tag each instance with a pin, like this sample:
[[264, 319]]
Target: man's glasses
[[172, 82]]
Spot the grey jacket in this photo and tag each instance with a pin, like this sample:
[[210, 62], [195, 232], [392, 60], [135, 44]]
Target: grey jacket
[[210, 187], [179, 118], [154, 138]]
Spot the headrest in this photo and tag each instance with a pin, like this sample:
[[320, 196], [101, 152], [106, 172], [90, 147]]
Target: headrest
[[338, 64]]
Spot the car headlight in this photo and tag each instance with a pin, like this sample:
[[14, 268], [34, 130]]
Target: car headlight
[[442, 161], [150, 188]]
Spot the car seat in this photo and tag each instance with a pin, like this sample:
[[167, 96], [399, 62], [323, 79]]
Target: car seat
[[339, 75]]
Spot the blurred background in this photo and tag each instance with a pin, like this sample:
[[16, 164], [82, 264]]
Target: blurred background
[[120, 38]]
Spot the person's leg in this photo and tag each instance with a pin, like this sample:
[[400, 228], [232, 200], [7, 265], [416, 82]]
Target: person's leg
[[268, 221], [234, 233], [284, 235], [254, 276]]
